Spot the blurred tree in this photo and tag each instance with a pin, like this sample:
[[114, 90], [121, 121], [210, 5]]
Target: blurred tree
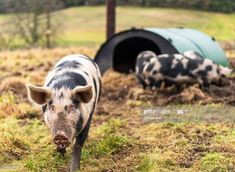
[[7, 35], [69, 3], [32, 19], [227, 6]]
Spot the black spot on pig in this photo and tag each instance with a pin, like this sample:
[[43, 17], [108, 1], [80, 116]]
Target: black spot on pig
[[68, 64], [208, 68], [86, 73], [192, 64], [178, 69], [79, 125], [75, 102], [77, 79], [44, 108], [166, 64], [50, 103], [95, 85], [202, 73], [61, 95], [150, 67], [100, 84], [66, 108], [155, 72], [67, 80]]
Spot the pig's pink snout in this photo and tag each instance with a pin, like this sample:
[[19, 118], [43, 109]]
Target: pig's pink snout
[[61, 140]]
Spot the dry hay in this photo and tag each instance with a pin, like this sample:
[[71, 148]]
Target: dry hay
[[117, 86], [121, 87], [16, 86]]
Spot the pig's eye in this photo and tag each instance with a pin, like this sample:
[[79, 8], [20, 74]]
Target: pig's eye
[[52, 108], [71, 108]]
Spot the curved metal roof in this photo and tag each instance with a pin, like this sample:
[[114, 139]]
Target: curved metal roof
[[184, 39]]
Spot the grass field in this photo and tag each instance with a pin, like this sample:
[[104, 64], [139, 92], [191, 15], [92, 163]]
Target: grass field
[[118, 140], [85, 26], [89, 28]]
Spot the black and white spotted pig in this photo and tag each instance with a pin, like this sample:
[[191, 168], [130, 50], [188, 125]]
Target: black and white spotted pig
[[68, 99], [187, 68]]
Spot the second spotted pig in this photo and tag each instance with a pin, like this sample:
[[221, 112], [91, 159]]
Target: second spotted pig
[[187, 68]]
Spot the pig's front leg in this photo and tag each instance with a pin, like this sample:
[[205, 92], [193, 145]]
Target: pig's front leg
[[77, 149], [76, 157]]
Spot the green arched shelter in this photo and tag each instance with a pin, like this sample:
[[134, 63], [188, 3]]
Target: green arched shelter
[[120, 51]]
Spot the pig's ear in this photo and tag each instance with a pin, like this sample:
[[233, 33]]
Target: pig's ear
[[38, 95], [83, 93]]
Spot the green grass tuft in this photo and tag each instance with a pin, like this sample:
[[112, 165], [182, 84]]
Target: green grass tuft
[[216, 162], [155, 162], [109, 127], [106, 146]]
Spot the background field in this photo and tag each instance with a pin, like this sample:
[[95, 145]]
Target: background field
[[85, 26], [118, 139]]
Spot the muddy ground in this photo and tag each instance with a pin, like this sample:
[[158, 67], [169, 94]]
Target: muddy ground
[[122, 87], [120, 91], [117, 89]]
